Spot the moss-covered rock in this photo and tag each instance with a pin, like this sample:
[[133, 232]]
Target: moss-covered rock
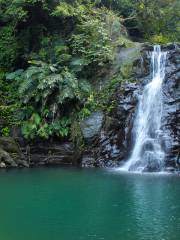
[[126, 58], [10, 154], [9, 144], [6, 160]]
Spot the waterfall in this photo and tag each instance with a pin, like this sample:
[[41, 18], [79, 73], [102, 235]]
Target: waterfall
[[147, 153]]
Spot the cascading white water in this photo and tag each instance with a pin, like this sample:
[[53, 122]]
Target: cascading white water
[[147, 154]]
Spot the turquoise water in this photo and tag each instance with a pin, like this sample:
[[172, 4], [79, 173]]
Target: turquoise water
[[77, 204]]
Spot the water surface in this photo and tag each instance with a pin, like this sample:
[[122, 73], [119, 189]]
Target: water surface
[[77, 204]]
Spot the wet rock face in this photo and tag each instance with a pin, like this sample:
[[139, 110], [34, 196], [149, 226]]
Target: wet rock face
[[114, 142], [10, 154], [171, 113], [49, 153], [19, 153]]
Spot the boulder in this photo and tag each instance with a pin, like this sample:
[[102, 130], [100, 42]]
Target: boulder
[[6, 160], [9, 144], [91, 126], [10, 153], [88, 161], [2, 165]]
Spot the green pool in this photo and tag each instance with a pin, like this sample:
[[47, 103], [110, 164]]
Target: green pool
[[77, 204]]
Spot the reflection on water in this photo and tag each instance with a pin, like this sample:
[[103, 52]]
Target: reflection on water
[[150, 209], [73, 204], [154, 208]]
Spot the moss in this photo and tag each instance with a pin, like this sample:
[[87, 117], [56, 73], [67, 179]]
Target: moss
[[9, 145], [121, 70], [76, 135], [124, 42], [8, 119], [5, 131], [159, 38], [126, 58], [7, 159], [126, 71]]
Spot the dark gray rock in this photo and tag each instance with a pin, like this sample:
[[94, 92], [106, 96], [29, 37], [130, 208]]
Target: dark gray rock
[[2, 165], [91, 126], [88, 161], [6, 160], [9, 144], [10, 154], [20, 153], [46, 153]]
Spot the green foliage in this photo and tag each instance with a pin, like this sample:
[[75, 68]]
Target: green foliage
[[30, 128], [55, 90], [12, 11], [145, 19], [47, 89], [159, 38], [8, 108], [41, 81], [38, 127], [90, 105], [76, 136], [92, 43], [158, 20], [8, 47], [78, 9], [5, 132], [104, 98], [124, 42], [6, 113], [8, 118]]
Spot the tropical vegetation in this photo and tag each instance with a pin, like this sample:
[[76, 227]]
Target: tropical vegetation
[[55, 54]]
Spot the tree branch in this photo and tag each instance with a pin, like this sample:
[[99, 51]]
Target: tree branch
[[129, 18]]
